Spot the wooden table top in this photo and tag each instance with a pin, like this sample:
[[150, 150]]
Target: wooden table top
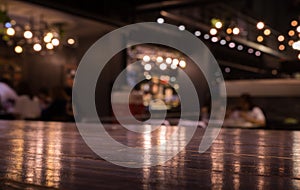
[[53, 155]]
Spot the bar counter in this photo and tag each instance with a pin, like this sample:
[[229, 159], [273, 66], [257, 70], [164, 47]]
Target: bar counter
[[53, 155]]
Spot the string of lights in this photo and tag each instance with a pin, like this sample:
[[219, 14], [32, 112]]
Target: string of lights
[[224, 34]]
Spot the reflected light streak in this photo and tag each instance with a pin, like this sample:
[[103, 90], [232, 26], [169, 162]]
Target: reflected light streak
[[237, 162], [14, 168], [296, 157], [217, 161], [176, 164], [53, 163], [261, 166]]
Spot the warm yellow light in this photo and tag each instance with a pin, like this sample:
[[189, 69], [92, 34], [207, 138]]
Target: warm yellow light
[[49, 46], [50, 34], [294, 23], [55, 42], [218, 24], [169, 60], [229, 31], [160, 20], [10, 31], [175, 61], [280, 38], [13, 22], [182, 64], [37, 47], [163, 66], [159, 59], [235, 30], [71, 41], [291, 33], [267, 32], [173, 66], [260, 25], [146, 58], [148, 67], [18, 49], [296, 45], [28, 34], [291, 42], [260, 38], [281, 47], [47, 39], [213, 31]]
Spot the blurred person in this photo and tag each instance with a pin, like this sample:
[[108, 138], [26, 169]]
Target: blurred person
[[27, 106], [246, 113], [8, 98]]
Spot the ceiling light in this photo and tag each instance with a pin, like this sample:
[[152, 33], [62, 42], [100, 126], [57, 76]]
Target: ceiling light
[[10, 31], [281, 47], [235, 30], [260, 38], [291, 42], [260, 25], [175, 61], [49, 46], [47, 39], [250, 50], [18, 49], [229, 31], [280, 38], [258, 53], [71, 41], [240, 47], [173, 66], [7, 25], [214, 39], [148, 67], [37, 47], [267, 32], [169, 60], [213, 31], [160, 20], [163, 66], [159, 59], [227, 70], [206, 36], [291, 33], [181, 27], [55, 41], [222, 42], [296, 45], [231, 44], [197, 33], [182, 64], [146, 58], [218, 24], [28, 34], [294, 23]]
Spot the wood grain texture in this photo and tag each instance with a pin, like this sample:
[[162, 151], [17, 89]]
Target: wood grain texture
[[52, 155]]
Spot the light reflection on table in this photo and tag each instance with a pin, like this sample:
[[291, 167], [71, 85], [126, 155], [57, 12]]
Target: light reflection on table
[[36, 155]]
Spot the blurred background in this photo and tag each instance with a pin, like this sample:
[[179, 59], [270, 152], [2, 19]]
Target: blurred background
[[256, 44]]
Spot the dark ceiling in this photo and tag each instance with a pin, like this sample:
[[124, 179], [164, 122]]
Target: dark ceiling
[[196, 15]]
